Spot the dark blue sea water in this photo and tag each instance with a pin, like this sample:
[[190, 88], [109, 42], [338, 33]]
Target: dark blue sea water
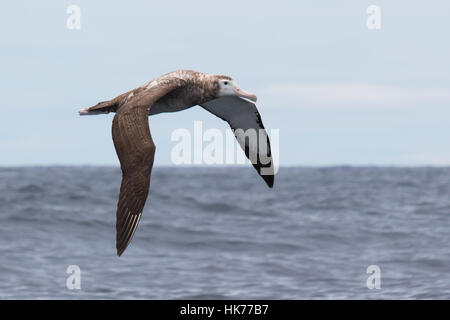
[[221, 233]]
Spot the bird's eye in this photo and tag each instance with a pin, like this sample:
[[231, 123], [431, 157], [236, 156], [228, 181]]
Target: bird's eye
[[225, 83]]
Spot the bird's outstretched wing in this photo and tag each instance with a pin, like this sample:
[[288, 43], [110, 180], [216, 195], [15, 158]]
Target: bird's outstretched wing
[[136, 150], [243, 117]]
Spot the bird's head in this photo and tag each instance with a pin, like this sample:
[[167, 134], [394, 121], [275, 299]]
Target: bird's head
[[227, 87]]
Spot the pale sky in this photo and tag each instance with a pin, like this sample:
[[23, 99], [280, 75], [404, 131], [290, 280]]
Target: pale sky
[[339, 93]]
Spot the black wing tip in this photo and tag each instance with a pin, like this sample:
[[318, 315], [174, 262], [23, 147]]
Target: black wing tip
[[269, 179], [121, 246], [120, 251]]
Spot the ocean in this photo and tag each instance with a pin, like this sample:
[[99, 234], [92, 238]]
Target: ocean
[[221, 233]]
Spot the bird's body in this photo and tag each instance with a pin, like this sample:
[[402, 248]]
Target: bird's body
[[190, 93], [190, 88], [171, 92]]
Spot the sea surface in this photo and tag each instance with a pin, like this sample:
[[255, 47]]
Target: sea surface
[[221, 233]]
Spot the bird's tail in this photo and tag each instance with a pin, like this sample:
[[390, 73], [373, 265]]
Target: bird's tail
[[100, 108]]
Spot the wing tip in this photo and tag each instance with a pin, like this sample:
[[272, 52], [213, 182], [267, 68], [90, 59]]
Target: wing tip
[[120, 249], [121, 246], [121, 242], [269, 179]]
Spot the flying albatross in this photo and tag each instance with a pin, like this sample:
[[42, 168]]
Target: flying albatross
[[172, 92]]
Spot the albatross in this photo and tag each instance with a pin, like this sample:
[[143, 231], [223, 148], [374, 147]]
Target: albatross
[[175, 91]]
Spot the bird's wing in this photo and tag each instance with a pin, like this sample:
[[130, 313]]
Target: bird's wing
[[243, 115], [136, 150]]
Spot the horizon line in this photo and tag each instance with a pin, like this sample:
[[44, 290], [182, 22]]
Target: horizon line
[[217, 166]]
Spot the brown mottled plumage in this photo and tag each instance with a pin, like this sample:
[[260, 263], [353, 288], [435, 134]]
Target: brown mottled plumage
[[171, 92]]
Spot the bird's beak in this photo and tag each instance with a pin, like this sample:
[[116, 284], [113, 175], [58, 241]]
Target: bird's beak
[[244, 94]]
